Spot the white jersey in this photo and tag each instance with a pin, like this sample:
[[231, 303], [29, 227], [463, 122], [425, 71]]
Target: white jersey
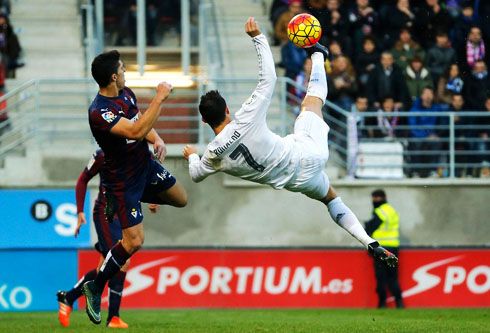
[[246, 148]]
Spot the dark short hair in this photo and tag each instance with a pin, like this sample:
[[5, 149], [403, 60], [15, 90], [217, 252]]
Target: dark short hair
[[386, 97], [103, 66], [379, 193], [212, 108], [441, 33], [361, 96]]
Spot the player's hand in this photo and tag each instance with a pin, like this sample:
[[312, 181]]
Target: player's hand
[[153, 208], [163, 90], [252, 27], [81, 219], [160, 150], [189, 150]]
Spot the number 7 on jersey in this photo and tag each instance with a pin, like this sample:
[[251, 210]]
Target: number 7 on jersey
[[243, 150]]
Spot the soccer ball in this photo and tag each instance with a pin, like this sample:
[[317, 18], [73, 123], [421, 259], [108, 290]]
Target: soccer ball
[[304, 30]]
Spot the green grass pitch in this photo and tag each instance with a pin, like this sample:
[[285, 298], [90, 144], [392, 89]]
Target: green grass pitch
[[322, 320]]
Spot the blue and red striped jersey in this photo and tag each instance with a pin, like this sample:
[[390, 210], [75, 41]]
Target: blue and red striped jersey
[[124, 160]]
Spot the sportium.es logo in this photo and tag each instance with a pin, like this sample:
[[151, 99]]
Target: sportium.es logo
[[197, 279]]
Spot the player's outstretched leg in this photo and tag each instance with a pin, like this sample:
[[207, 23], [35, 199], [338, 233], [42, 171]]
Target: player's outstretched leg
[[345, 218], [67, 298], [317, 87]]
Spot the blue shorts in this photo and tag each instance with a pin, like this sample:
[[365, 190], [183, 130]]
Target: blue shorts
[[127, 203]]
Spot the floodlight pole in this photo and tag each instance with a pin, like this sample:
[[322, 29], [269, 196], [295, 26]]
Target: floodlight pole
[[141, 35]]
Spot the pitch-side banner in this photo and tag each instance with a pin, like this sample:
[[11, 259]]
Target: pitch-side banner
[[297, 278]]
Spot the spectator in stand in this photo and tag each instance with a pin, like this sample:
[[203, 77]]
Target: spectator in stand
[[431, 17], [477, 86], [335, 49], [9, 48], [364, 22], [454, 8], [344, 88], [277, 9], [293, 59], [397, 18], [417, 77], [440, 56], [463, 24], [473, 50], [387, 80], [388, 120], [405, 48], [335, 26], [449, 84], [362, 121], [281, 27], [316, 8], [366, 61], [431, 142]]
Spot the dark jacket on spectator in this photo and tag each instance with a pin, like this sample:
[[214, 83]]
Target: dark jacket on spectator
[[428, 22], [438, 59], [363, 61], [416, 122], [461, 29], [395, 21], [380, 85], [475, 91]]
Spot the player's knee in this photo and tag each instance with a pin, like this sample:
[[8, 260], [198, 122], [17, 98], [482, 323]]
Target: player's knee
[[182, 201], [134, 243]]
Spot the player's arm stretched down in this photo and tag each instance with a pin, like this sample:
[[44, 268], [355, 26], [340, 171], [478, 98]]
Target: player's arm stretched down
[[138, 130], [87, 174], [256, 106]]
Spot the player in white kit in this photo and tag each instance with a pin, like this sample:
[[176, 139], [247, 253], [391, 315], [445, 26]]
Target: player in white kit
[[246, 148]]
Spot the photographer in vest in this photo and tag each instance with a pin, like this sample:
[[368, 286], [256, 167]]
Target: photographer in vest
[[384, 227]]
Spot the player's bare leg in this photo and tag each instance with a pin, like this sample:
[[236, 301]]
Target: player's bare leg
[[175, 196], [345, 218]]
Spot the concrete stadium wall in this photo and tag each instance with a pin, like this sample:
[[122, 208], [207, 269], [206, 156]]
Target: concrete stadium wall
[[223, 215]]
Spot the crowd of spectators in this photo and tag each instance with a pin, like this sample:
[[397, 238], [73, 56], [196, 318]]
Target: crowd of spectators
[[403, 55]]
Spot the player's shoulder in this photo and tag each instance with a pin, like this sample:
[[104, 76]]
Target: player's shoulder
[[130, 93]]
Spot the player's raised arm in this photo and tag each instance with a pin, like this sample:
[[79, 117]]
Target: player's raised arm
[[138, 130], [260, 99], [199, 169]]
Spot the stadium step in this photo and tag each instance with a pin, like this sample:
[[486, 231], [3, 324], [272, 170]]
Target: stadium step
[[50, 35]]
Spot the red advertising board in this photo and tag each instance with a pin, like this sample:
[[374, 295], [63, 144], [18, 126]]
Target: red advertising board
[[297, 278]]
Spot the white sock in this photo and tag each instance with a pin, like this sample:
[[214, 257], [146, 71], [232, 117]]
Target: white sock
[[345, 218], [317, 86]]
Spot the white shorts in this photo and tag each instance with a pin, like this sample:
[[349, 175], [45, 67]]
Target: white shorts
[[311, 141]]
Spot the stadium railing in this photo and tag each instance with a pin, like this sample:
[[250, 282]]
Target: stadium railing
[[55, 111]]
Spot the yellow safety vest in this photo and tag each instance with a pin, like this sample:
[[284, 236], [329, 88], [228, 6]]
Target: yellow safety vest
[[387, 233]]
